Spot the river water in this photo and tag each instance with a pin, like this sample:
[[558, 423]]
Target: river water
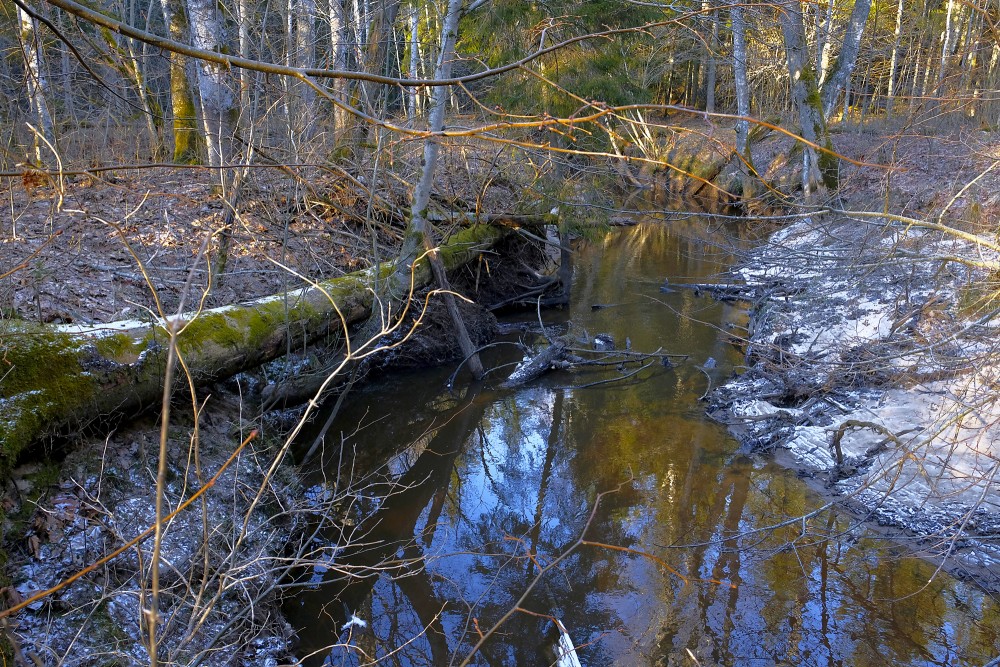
[[485, 494]]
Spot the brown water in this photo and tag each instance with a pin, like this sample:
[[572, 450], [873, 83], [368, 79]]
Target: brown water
[[496, 485]]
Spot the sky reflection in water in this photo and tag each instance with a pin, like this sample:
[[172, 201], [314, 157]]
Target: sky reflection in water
[[502, 483]]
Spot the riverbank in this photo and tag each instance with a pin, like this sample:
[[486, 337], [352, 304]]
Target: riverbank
[[872, 362], [226, 555]]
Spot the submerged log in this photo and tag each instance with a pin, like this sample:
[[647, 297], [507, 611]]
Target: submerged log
[[719, 291], [56, 378]]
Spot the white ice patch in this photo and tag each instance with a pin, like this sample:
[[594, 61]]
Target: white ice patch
[[925, 455], [810, 446]]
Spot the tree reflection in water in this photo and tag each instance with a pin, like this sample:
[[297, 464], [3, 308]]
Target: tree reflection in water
[[506, 482]]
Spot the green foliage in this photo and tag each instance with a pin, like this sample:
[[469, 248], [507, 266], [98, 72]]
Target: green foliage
[[595, 69]]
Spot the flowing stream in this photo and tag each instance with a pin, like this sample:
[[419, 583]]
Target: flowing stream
[[485, 493]]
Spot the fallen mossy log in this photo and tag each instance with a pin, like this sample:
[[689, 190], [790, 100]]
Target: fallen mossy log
[[54, 378]]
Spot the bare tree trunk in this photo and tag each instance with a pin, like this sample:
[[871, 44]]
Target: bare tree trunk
[[945, 50], [66, 73], [824, 38], [338, 52], [243, 35], [378, 51], [991, 81], [916, 89], [304, 46], [38, 86], [411, 93], [818, 168], [842, 69], [419, 227], [713, 50]]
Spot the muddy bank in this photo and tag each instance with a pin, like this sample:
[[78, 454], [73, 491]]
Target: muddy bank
[[871, 368], [220, 561]]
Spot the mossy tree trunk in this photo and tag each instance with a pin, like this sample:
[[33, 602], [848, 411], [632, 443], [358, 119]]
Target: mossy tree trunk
[[818, 168], [187, 138], [57, 378]]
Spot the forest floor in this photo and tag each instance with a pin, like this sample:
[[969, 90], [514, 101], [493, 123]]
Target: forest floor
[[873, 362], [95, 247]]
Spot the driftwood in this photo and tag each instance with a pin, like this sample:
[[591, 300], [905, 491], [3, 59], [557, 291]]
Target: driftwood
[[56, 378], [536, 366], [497, 219], [735, 292], [562, 354]]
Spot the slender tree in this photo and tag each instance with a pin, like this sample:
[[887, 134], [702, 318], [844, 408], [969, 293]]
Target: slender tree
[[338, 60], [839, 75], [742, 97], [419, 234], [36, 80]]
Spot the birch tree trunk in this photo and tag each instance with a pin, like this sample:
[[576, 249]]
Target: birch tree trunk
[[837, 78], [742, 98], [217, 104], [413, 91], [824, 33], [817, 168], [946, 37], [338, 60], [38, 86], [187, 138], [946, 43], [713, 50], [894, 60], [243, 35]]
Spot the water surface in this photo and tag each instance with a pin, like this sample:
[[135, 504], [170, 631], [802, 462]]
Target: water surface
[[494, 488]]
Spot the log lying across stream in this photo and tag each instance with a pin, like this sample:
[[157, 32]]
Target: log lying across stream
[[54, 378]]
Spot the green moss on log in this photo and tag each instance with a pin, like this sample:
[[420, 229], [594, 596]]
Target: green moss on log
[[41, 373], [52, 379]]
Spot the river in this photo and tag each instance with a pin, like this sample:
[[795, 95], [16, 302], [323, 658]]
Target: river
[[696, 553]]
